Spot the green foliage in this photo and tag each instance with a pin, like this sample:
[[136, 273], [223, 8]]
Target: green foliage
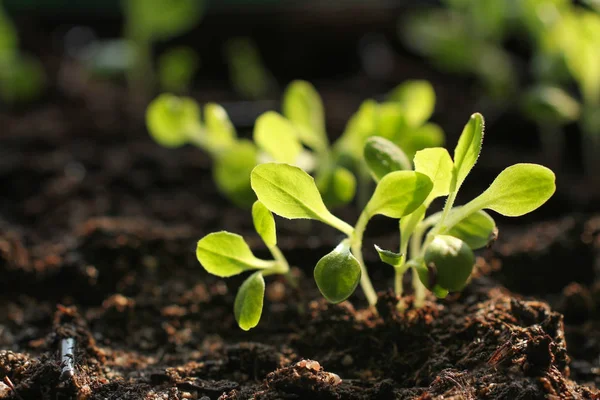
[[439, 248], [22, 77], [176, 68], [302, 105], [337, 274], [276, 136], [417, 98], [232, 170], [383, 157], [171, 120], [248, 303], [247, 73]]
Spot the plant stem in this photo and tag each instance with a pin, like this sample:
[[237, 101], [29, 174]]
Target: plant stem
[[356, 246], [282, 266], [415, 250]]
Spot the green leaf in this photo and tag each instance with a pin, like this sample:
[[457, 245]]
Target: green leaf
[[177, 67], [408, 223], [337, 274], [359, 127], [232, 172], [220, 133], [449, 263], [161, 19], [519, 190], [390, 121], [389, 257], [550, 105], [277, 137], [248, 303], [383, 157], [291, 193], [337, 187], [264, 223], [467, 150], [399, 193], [226, 254], [171, 119], [417, 99], [477, 230], [437, 165], [425, 136], [302, 105]]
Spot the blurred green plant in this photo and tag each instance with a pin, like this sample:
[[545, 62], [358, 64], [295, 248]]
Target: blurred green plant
[[468, 36], [22, 77], [298, 137], [149, 21], [247, 73]]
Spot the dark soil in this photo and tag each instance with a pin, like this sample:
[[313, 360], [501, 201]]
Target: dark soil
[[98, 227]]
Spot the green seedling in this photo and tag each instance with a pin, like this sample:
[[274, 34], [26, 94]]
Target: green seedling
[[149, 21], [247, 73], [441, 245], [176, 69], [226, 254], [22, 77], [298, 137]]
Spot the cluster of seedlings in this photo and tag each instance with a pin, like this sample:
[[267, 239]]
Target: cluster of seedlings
[[273, 172]]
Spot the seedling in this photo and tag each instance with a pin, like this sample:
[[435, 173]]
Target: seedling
[[247, 73], [298, 137], [22, 78], [176, 69], [148, 21], [226, 254], [441, 245]]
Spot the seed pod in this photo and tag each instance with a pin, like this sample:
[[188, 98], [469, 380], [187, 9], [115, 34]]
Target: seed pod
[[449, 263]]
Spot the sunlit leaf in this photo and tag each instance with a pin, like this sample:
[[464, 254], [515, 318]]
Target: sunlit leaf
[[417, 99], [264, 223], [468, 148], [437, 165], [302, 105], [232, 170], [248, 303], [383, 157], [276, 136], [399, 193], [170, 119]]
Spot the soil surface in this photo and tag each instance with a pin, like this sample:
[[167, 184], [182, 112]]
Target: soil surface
[[98, 227]]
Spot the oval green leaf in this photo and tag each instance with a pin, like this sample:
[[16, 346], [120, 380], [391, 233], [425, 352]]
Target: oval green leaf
[[291, 193], [337, 187], [425, 136], [337, 274], [232, 172], [177, 67], [437, 165], [551, 105], [467, 150], [220, 132], [277, 137], [264, 223], [170, 119], [382, 157], [302, 105], [226, 254], [519, 189], [450, 261], [477, 230], [417, 98], [389, 257], [248, 303], [399, 193]]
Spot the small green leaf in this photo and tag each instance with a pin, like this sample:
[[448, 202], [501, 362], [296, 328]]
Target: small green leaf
[[399, 193], [417, 99], [425, 136], [519, 190], [220, 133], [437, 165], [359, 127], [226, 254], [162, 19], [409, 222], [232, 172], [551, 105], [176, 68], [170, 119], [302, 105], [383, 157], [264, 223], [467, 150], [390, 121], [276, 136], [477, 230], [337, 274], [248, 303], [389, 257], [337, 187], [291, 193], [449, 262]]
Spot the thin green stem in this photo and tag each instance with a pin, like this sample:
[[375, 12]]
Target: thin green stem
[[356, 246], [419, 288], [283, 267], [415, 251]]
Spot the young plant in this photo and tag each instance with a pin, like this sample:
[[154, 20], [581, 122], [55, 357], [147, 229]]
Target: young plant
[[226, 254], [298, 137], [440, 247], [22, 78], [148, 21]]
